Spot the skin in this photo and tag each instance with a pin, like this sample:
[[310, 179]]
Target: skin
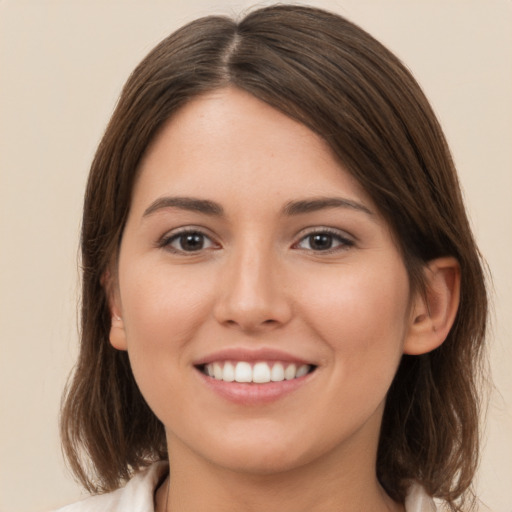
[[259, 282]]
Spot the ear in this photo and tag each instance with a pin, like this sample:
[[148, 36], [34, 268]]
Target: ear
[[117, 335], [434, 312]]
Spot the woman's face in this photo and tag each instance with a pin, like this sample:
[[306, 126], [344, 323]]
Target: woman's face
[[251, 254]]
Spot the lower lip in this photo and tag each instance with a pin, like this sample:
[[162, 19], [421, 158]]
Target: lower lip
[[253, 393]]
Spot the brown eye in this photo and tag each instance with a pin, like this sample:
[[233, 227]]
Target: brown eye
[[187, 242], [191, 241], [320, 242], [324, 241]]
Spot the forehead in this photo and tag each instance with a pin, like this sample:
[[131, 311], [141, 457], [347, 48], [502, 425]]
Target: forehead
[[231, 144]]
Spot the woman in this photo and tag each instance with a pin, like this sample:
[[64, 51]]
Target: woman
[[281, 295]]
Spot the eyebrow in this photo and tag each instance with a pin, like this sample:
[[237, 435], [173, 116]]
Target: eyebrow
[[290, 209], [321, 203], [185, 203]]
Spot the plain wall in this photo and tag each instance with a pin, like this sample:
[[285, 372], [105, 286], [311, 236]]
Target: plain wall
[[62, 65]]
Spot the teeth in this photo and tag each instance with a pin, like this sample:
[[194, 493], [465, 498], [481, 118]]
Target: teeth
[[290, 372], [277, 373], [243, 372], [260, 373], [228, 374], [217, 371], [302, 370]]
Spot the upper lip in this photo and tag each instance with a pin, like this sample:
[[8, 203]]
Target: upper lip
[[250, 355]]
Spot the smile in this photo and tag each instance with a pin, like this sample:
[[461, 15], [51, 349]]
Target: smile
[[261, 372]]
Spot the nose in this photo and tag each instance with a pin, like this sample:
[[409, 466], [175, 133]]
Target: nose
[[252, 294]]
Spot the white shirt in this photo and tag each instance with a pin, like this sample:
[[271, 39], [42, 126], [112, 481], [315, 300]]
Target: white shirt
[[138, 496]]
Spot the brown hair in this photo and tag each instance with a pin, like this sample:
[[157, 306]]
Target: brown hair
[[329, 74]]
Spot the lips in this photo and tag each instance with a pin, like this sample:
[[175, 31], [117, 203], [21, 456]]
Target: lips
[[254, 376]]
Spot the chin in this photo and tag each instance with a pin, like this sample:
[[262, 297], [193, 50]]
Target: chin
[[260, 462], [256, 450]]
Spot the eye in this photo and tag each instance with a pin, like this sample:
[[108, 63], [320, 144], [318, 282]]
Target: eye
[[324, 241], [187, 242]]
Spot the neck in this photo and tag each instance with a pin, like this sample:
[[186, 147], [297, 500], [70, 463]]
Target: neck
[[324, 485]]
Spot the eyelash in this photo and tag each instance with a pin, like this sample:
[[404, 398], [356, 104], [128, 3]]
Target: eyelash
[[344, 242]]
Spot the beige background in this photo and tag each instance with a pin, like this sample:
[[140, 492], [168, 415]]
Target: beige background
[[62, 64]]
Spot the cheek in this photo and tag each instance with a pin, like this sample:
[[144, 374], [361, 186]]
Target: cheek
[[163, 306], [162, 312], [361, 314]]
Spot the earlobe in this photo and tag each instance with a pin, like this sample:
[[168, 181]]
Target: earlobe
[[434, 312], [117, 335]]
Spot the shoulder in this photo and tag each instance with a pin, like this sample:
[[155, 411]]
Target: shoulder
[[418, 500], [136, 496]]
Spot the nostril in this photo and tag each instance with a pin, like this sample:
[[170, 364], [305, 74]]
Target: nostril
[[251, 323]]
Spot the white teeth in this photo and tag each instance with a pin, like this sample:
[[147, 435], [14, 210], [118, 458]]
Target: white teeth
[[290, 372], [277, 373], [301, 370], [229, 372], [217, 371], [260, 373], [243, 372]]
